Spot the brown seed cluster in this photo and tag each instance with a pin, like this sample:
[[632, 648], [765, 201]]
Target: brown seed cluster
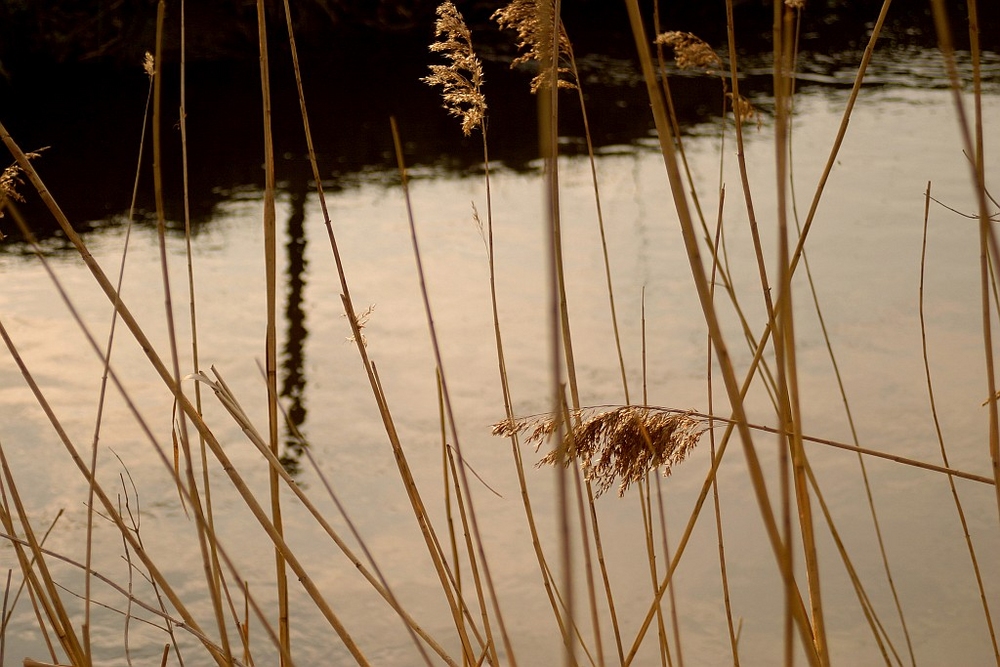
[[625, 443], [690, 51], [534, 39], [461, 81]]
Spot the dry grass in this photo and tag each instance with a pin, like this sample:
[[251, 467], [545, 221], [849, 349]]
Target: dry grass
[[625, 444], [593, 449], [690, 51], [533, 40], [461, 81]]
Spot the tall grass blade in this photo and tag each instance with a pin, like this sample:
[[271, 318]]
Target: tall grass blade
[[271, 336]]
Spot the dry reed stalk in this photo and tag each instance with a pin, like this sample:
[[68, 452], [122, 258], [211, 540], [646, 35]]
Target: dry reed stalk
[[184, 404], [588, 567], [489, 649], [646, 512], [987, 235], [800, 252], [548, 21], [449, 412], [623, 444], [271, 336], [525, 17], [42, 585], [867, 608], [149, 66], [399, 455], [710, 396], [446, 476], [940, 436], [219, 582], [743, 110], [110, 583], [377, 581], [185, 442], [785, 350], [529, 16], [522, 16], [701, 283]]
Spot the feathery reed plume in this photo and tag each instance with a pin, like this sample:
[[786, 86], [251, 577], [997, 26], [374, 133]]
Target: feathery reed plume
[[744, 110], [626, 443], [149, 65], [462, 80], [522, 16], [10, 179], [690, 51]]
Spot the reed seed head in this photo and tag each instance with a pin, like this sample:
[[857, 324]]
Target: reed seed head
[[690, 51], [744, 110], [361, 320], [462, 80], [626, 443], [536, 43], [9, 180], [149, 65]]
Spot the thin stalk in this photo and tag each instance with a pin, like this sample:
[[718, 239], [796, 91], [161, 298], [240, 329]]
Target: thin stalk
[[607, 262], [474, 522], [701, 283], [130, 322], [161, 224], [987, 236], [940, 436], [271, 337], [866, 606], [416, 503], [784, 339], [41, 585], [104, 375], [490, 648], [183, 403], [219, 581], [711, 432], [595, 525], [548, 137], [647, 532], [107, 581]]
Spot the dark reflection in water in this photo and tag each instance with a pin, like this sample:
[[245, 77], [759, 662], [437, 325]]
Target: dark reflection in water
[[91, 114], [293, 378]]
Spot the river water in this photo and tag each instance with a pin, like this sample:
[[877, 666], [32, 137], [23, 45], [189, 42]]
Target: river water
[[864, 253]]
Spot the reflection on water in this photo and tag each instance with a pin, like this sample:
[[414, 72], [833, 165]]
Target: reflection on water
[[293, 378]]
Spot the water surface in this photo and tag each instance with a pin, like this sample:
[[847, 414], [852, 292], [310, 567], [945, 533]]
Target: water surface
[[864, 253]]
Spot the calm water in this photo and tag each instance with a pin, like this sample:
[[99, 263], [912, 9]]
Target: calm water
[[864, 253]]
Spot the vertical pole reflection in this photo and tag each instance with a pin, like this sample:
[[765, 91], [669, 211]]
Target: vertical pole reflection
[[293, 379]]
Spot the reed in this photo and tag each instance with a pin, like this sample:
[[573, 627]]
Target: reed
[[630, 446]]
